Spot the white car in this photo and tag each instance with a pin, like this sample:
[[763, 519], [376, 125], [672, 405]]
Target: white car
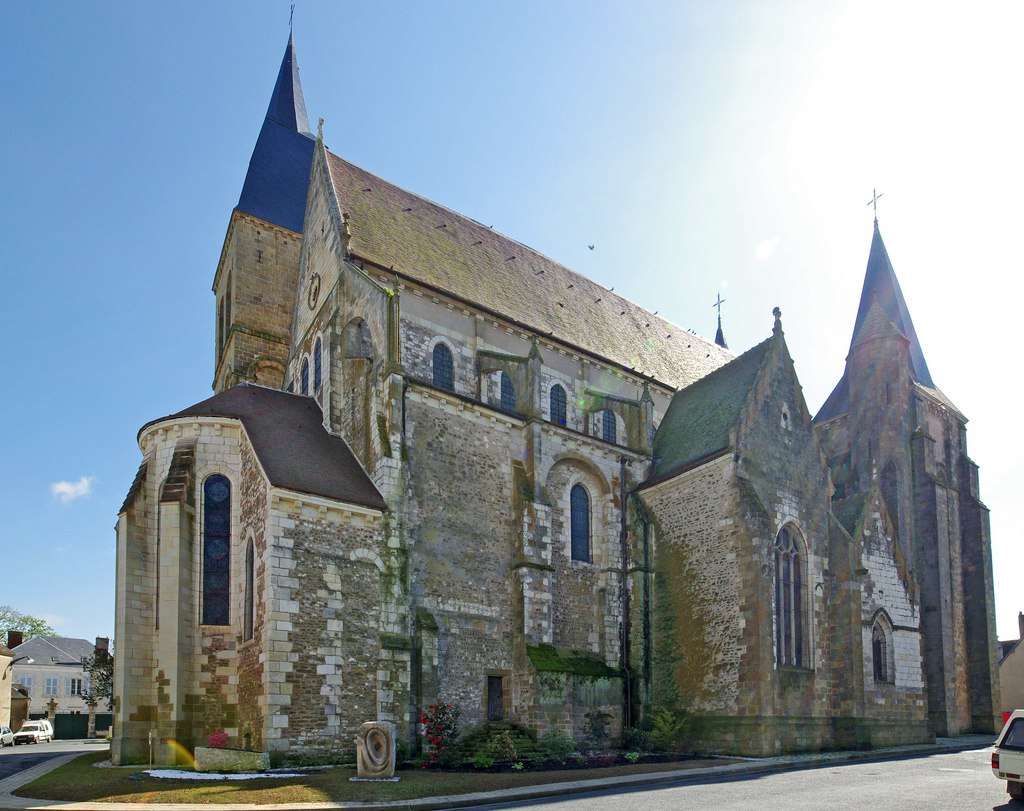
[[1008, 757], [6, 737], [34, 732]]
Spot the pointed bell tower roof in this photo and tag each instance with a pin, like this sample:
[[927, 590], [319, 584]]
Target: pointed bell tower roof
[[287, 105], [278, 177], [880, 281], [719, 335], [880, 299]]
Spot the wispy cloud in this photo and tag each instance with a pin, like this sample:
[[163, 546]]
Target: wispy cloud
[[765, 249], [70, 491]]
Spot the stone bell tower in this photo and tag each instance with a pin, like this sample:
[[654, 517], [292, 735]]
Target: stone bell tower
[[258, 272]]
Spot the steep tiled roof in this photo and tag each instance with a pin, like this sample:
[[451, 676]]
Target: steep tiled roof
[[700, 417], [435, 246], [295, 450]]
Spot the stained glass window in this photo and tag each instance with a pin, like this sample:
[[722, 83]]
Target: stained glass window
[[317, 366], [250, 576], [880, 653], [557, 405], [579, 518], [443, 373], [608, 432], [789, 632], [508, 394], [305, 376], [216, 550]]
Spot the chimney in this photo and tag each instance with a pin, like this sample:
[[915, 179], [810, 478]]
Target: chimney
[[14, 638], [1020, 625], [102, 644]]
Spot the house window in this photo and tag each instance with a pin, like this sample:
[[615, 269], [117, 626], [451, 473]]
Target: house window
[[73, 687], [579, 520], [444, 377], [250, 571], [216, 549], [305, 376], [789, 601], [26, 682], [51, 686], [317, 366], [508, 394], [608, 432], [557, 405]]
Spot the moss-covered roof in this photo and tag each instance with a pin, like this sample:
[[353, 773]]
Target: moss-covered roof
[[700, 417], [434, 245]]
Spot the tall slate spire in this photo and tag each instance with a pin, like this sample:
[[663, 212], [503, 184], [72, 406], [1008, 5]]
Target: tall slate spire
[[880, 281], [278, 177], [720, 336], [882, 288], [287, 105]]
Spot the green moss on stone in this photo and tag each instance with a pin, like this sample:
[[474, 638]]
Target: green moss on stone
[[547, 658]]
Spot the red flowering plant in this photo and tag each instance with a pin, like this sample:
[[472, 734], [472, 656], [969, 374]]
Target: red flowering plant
[[218, 740], [441, 729]]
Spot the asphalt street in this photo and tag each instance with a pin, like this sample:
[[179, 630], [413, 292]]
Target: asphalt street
[[15, 759], [961, 781]]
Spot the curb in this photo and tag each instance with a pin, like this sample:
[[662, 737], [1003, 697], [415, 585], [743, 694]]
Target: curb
[[725, 772]]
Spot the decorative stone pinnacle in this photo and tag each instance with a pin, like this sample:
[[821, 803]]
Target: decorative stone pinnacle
[[320, 130], [778, 320]]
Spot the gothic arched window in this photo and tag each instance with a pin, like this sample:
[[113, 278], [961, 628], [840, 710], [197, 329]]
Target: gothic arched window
[[789, 600], [216, 550], [579, 521], [608, 432], [305, 376], [557, 405], [248, 610], [881, 660], [317, 366], [444, 376], [508, 394]]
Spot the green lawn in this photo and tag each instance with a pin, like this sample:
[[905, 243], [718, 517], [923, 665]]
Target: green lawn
[[82, 781]]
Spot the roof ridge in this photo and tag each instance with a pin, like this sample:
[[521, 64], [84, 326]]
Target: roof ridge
[[537, 253]]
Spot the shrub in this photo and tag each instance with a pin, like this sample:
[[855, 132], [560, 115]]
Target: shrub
[[518, 767], [556, 745], [637, 740], [217, 740], [595, 727], [441, 728], [632, 757], [482, 761], [502, 748], [670, 731]]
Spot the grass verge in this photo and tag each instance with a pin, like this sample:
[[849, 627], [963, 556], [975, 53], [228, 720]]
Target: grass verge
[[81, 781]]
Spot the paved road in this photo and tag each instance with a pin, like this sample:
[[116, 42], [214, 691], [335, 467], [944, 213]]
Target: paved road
[[15, 759], [961, 781]]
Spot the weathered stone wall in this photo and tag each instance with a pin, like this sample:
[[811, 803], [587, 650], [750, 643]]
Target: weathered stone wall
[[259, 269], [330, 600]]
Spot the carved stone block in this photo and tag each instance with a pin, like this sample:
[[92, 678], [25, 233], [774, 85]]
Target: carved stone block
[[375, 750]]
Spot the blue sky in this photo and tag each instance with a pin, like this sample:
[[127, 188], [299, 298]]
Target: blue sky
[[702, 148]]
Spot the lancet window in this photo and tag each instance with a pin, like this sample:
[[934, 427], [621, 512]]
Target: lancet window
[[579, 520], [789, 600], [216, 550], [444, 376]]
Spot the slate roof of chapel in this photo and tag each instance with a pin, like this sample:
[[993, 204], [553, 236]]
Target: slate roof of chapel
[[296, 451], [433, 245], [700, 417]]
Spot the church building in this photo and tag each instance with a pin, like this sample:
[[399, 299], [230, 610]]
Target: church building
[[438, 465]]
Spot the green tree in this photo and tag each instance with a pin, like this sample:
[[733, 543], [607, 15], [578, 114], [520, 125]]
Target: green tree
[[13, 620], [99, 683]]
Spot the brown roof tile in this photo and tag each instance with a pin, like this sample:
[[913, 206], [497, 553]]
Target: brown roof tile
[[433, 245]]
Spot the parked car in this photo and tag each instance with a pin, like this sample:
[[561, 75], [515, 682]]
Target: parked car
[[39, 731], [1008, 757], [6, 737]]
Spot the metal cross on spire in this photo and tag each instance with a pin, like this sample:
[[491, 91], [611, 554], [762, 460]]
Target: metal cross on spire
[[291, 15], [873, 202], [720, 301]]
